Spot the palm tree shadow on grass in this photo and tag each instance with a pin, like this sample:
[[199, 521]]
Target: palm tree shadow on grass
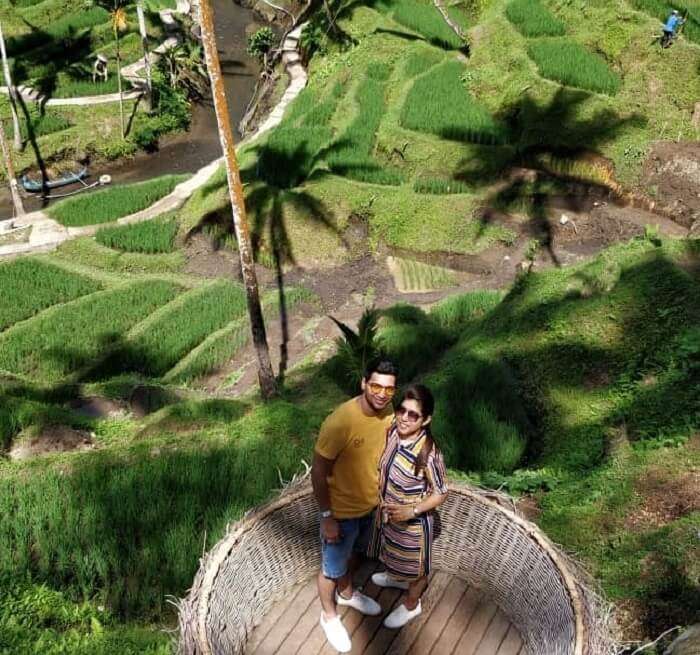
[[550, 131]]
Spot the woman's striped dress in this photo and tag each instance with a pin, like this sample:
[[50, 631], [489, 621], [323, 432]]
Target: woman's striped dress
[[405, 547]]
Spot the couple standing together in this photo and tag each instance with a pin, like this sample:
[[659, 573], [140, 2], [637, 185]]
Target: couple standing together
[[377, 477]]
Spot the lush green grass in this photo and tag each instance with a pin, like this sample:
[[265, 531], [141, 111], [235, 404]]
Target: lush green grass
[[351, 155], [458, 312], [35, 618], [440, 186], [178, 328], [113, 203], [425, 19], [155, 236], [30, 286], [419, 62], [439, 104], [661, 9], [46, 122], [72, 336], [533, 19], [220, 346], [568, 62]]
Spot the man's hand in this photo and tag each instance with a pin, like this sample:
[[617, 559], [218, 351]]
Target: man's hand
[[398, 513], [330, 530]]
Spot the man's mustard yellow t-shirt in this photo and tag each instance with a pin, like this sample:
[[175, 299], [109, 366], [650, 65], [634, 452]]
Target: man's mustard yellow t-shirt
[[355, 441]]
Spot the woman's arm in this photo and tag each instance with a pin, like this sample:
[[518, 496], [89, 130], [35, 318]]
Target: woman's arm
[[400, 513]]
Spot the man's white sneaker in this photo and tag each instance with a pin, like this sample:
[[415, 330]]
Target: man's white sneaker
[[336, 634], [360, 602], [401, 616], [383, 579]]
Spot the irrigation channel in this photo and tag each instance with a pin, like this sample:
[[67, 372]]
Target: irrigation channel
[[185, 152]]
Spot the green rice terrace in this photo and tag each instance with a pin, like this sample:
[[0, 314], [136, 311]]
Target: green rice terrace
[[507, 200]]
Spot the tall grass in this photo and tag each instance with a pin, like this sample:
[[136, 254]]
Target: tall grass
[[127, 530], [61, 29], [221, 345], [439, 104], [70, 337], [156, 236], [570, 63], [178, 328], [113, 203], [532, 18], [456, 313], [351, 155], [411, 276], [440, 186], [420, 61], [425, 19], [28, 286], [660, 9]]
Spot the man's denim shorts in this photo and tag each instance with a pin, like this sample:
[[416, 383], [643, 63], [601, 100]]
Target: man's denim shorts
[[354, 537]]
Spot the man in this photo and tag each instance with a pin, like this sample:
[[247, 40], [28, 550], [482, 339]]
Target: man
[[673, 22], [345, 481]]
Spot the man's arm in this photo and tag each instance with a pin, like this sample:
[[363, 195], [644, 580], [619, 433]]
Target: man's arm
[[321, 468]]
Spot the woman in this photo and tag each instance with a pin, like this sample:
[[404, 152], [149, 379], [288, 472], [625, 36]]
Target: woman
[[411, 485]]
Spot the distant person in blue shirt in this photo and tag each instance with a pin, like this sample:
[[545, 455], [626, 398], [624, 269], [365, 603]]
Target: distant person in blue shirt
[[673, 22]]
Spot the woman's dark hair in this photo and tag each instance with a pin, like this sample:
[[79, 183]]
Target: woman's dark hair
[[424, 397]]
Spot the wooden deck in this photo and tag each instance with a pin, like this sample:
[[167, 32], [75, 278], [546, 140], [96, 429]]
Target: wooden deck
[[454, 620]]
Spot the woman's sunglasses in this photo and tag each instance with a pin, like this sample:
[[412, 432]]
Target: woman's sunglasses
[[376, 389], [408, 413]]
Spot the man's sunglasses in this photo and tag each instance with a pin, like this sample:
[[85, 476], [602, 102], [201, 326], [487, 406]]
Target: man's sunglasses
[[409, 413], [376, 389]]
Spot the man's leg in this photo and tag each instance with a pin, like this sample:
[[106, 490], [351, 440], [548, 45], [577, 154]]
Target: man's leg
[[335, 572]]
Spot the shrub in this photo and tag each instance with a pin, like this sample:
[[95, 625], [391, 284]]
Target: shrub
[[147, 237], [438, 103], [69, 337], [113, 203], [570, 63], [30, 285], [260, 43], [533, 19]]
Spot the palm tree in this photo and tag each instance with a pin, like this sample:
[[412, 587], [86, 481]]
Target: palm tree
[[119, 24], [146, 61], [17, 141], [268, 386], [7, 159]]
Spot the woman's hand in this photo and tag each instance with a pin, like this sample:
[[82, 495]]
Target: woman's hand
[[399, 513]]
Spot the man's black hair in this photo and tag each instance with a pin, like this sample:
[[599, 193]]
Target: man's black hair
[[381, 366]]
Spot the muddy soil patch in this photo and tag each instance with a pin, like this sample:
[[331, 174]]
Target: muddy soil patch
[[664, 497], [205, 259], [50, 440], [98, 407], [672, 175]]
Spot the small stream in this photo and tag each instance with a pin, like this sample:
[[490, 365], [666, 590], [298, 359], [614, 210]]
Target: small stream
[[185, 152]]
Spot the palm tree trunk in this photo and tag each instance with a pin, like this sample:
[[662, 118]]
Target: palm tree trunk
[[119, 84], [9, 167], [146, 61], [12, 92], [268, 387]]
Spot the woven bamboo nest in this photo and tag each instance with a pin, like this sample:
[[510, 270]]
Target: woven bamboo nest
[[481, 540]]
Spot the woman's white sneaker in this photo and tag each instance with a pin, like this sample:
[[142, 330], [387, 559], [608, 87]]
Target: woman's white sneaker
[[360, 602], [401, 616], [383, 579], [336, 634]]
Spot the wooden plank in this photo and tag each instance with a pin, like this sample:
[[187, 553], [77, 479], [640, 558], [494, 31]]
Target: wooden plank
[[495, 635], [512, 643], [270, 619], [316, 639], [288, 620], [300, 633], [475, 631], [431, 598], [369, 625], [458, 622], [439, 617]]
